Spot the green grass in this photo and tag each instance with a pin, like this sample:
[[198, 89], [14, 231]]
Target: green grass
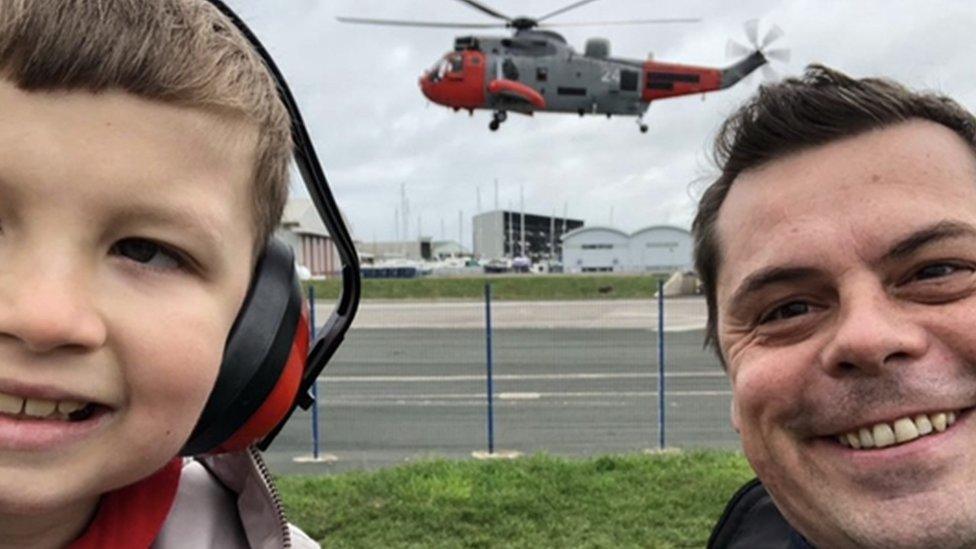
[[524, 287], [665, 500]]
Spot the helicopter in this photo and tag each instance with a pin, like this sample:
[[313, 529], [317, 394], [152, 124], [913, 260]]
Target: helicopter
[[536, 70]]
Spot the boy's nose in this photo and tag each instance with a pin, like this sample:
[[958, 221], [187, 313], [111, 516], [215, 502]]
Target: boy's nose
[[49, 311]]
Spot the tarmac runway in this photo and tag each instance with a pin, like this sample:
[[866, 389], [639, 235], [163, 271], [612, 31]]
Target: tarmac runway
[[400, 392]]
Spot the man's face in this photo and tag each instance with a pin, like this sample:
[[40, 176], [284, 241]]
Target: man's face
[[125, 244], [847, 306]]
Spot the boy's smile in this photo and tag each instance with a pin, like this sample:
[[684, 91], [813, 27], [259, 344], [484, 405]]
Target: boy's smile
[[125, 253]]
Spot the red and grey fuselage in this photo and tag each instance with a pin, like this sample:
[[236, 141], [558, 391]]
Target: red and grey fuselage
[[536, 70]]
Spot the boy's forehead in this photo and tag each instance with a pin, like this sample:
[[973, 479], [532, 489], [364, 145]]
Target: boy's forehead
[[132, 148]]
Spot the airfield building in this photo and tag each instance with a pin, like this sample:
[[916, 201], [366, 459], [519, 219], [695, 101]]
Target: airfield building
[[658, 248], [303, 230], [498, 234]]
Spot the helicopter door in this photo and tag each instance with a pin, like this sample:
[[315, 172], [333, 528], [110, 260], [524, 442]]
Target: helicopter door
[[509, 70], [628, 81]]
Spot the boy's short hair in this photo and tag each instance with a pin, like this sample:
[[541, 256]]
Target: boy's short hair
[[822, 106], [183, 52]]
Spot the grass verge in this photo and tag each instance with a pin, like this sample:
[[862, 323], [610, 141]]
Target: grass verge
[[663, 500], [512, 288]]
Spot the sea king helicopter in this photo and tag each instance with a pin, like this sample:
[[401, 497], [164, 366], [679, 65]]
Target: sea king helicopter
[[536, 70]]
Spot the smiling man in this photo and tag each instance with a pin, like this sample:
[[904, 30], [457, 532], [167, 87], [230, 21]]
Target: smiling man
[[838, 249]]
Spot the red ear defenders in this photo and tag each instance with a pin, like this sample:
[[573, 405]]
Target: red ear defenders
[[270, 361]]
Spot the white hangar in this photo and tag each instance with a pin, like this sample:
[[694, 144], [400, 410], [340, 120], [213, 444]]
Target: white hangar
[[658, 248]]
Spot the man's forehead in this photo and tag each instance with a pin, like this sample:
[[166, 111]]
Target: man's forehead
[[855, 186]]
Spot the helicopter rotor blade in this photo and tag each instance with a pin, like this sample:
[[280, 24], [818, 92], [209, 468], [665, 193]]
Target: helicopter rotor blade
[[628, 22], [752, 32], [734, 50], [429, 24], [769, 73], [485, 9], [774, 34], [782, 55], [564, 9]]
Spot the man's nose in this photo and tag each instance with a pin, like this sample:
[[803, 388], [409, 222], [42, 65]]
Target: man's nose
[[873, 332], [49, 309]]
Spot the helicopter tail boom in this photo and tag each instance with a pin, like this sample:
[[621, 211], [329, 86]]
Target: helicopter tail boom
[[743, 68], [671, 80]]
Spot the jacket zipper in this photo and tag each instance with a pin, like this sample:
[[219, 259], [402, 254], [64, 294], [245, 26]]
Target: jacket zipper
[[275, 494]]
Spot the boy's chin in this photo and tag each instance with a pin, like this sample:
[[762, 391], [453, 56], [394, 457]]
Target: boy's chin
[[34, 503], [43, 491]]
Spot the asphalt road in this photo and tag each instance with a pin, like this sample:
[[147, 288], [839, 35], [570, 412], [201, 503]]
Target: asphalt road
[[396, 394]]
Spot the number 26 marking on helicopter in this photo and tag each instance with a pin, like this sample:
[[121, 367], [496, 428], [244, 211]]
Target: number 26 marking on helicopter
[[536, 70]]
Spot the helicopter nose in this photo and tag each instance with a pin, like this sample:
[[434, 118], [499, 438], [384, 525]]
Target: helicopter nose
[[425, 84]]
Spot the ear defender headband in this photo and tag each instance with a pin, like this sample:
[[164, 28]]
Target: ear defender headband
[[270, 362]]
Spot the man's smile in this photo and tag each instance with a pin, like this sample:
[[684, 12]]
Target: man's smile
[[899, 431]]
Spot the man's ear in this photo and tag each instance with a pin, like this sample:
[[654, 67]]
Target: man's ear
[[734, 414]]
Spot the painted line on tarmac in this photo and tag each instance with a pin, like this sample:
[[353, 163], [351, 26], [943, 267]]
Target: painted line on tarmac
[[513, 377], [411, 400], [519, 396]]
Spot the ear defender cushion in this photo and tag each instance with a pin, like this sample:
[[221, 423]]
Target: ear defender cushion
[[263, 361]]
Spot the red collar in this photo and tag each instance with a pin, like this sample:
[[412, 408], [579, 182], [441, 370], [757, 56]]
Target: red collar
[[132, 516]]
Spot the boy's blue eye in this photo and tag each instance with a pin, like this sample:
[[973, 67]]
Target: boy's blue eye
[[147, 253]]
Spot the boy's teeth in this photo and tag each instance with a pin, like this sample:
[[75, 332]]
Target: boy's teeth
[[68, 406], [11, 404], [901, 430], [38, 407]]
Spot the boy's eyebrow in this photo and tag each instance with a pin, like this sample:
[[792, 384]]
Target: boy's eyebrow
[[200, 227]]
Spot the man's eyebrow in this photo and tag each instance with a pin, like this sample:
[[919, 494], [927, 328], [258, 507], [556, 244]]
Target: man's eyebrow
[[768, 276], [927, 235]]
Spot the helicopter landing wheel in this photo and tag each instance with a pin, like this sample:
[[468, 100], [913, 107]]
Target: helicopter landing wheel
[[643, 128], [496, 120]]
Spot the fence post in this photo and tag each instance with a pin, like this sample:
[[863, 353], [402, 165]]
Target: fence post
[[491, 417], [315, 384], [660, 365]]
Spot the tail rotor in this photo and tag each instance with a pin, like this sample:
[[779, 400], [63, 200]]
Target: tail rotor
[[736, 50]]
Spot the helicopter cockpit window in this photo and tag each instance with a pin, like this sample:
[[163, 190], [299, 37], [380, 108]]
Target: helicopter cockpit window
[[456, 63]]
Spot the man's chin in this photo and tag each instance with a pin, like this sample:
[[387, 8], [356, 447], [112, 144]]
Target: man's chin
[[930, 518]]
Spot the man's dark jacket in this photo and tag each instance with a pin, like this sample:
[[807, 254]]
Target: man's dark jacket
[[752, 521]]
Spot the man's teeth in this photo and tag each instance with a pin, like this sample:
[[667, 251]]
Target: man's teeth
[[901, 430], [38, 407]]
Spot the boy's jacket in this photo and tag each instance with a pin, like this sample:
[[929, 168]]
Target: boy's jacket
[[228, 501]]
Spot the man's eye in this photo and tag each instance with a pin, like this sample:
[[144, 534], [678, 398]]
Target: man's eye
[[936, 270], [786, 311], [147, 253]]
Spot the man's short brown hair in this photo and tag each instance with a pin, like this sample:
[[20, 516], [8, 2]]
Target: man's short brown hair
[[183, 52], [820, 107]]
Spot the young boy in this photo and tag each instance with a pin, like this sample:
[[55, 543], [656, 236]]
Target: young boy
[[143, 165]]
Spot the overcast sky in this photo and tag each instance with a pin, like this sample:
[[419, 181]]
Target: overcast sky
[[374, 130]]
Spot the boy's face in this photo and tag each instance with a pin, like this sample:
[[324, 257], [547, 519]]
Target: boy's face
[[125, 246]]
